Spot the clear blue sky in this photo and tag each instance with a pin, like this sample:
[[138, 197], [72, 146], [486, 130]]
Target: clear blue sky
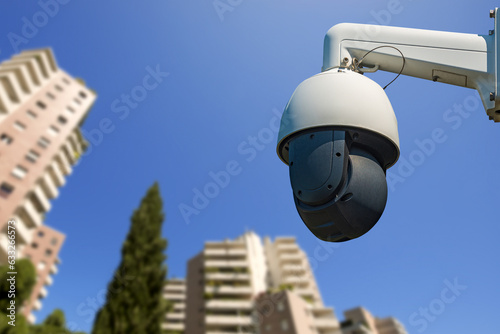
[[225, 79]]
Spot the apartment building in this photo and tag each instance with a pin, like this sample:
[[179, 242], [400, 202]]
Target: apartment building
[[41, 110], [175, 293], [227, 279], [360, 320], [45, 245]]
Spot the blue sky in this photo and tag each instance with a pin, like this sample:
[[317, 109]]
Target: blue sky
[[227, 79]]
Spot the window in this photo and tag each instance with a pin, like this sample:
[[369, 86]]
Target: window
[[83, 95], [32, 156], [62, 120], [19, 126], [66, 81], [43, 142], [19, 172], [31, 114], [284, 325], [70, 110], [40, 233], [48, 252], [53, 242], [53, 131], [34, 245], [280, 306], [41, 104], [6, 189], [5, 138], [77, 101], [58, 88], [268, 327], [50, 96]]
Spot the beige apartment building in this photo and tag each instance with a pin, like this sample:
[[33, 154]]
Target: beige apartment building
[[41, 110], [175, 293], [360, 321], [45, 245], [229, 280]]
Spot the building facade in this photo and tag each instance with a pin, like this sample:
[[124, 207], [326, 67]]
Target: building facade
[[230, 281], [45, 245], [175, 293], [360, 320], [41, 110]]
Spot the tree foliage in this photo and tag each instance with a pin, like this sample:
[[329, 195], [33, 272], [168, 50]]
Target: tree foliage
[[134, 301]]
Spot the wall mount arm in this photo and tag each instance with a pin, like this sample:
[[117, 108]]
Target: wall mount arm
[[465, 60]]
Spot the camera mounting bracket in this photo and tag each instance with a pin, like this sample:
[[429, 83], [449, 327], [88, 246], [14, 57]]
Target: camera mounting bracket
[[465, 60]]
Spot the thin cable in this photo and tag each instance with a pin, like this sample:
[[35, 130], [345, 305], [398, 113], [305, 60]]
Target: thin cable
[[385, 46]]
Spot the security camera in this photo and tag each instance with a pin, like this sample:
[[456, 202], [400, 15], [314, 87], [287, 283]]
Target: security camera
[[339, 133], [338, 160]]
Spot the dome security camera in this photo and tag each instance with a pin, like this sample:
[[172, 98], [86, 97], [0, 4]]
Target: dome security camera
[[338, 133], [337, 160]]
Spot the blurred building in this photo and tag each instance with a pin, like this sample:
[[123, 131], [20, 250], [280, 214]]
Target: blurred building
[[361, 321], [43, 250], [41, 110], [175, 293], [231, 284]]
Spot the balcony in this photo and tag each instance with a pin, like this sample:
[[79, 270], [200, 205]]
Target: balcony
[[324, 323], [64, 163], [304, 292], [221, 252], [174, 288], [300, 281], [287, 248], [228, 320], [49, 186], [173, 327], [30, 215], [227, 277], [229, 305], [37, 305], [175, 316], [53, 270], [174, 296], [56, 174], [293, 269], [291, 258], [69, 152], [31, 319], [24, 235], [179, 306], [41, 199], [226, 264], [43, 293], [49, 280], [229, 290]]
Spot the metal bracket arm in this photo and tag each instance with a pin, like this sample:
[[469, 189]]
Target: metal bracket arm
[[465, 60]]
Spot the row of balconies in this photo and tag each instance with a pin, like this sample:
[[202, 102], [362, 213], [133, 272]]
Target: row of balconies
[[30, 214], [22, 75]]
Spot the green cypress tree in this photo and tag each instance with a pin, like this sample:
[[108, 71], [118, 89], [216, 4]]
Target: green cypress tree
[[134, 302]]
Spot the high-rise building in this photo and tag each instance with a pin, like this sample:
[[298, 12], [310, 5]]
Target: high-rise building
[[359, 320], [175, 293], [226, 283], [43, 250], [41, 110]]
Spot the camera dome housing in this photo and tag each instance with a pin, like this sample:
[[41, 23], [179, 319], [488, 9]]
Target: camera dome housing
[[338, 134]]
